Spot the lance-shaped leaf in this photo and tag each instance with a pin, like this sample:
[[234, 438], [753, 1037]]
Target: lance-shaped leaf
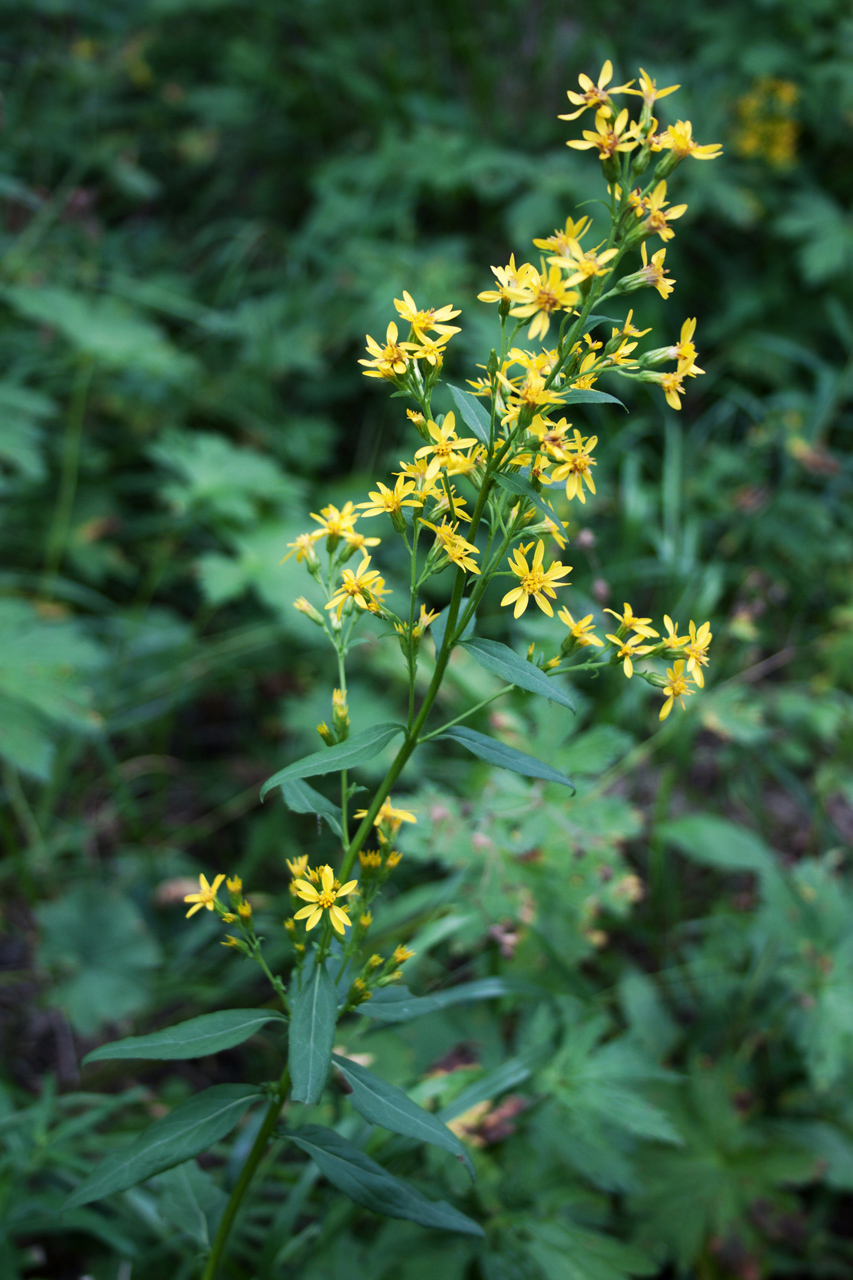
[[301, 798], [472, 412], [524, 489], [504, 757], [189, 1129], [588, 396], [385, 1104], [504, 662], [397, 1004], [368, 1184], [312, 1034], [356, 750], [196, 1038]]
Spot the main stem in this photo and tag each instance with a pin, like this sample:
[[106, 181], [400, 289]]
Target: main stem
[[246, 1174], [58, 536]]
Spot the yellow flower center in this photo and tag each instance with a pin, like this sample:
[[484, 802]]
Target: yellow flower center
[[533, 581], [326, 899], [546, 300]]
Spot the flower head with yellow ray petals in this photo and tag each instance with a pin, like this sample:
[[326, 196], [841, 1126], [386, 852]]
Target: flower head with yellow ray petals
[[445, 446], [324, 898], [594, 95], [388, 817], [510, 278], [363, 585], [628, 621], [542, 293], [678, 139], [628, 648], [580, 631], [388, 361], [676, 686], [609, 139], [575, 470], [649, 91], [561, 238], [534, 580], [206, 896], [697, 651], [432, 318], [385, 501]]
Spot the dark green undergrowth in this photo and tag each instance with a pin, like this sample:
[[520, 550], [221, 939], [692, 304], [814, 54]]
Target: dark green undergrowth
[[205, 206]]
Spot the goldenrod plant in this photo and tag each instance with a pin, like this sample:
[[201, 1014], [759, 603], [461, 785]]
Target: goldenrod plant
[[473, 496]]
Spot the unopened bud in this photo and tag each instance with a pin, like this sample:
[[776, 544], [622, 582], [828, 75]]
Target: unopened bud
[[326, 734], [305, 606], [340, 714]]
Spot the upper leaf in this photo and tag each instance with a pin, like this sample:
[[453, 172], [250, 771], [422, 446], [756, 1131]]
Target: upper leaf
[[505, 662], [357, 748], [195, 1038], [189, 1129], [397, 1004], [504, 757], [385, 1104], [301, 798], [472, 412], [312, 1034], [368, 1184], [592, 397]]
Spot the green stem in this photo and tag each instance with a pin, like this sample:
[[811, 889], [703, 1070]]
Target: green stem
[[58, 536], [436, 733], [246, 1174]]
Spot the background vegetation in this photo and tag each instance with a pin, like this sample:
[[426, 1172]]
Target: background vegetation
[[205, 205]]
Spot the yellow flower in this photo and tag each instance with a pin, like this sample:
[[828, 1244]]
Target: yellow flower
[[649, 90], [389, 361], [402, 954], [561, 239], [534, 580], [510, 278], [363, 585], [608, 138], [581, 631], [298, 866], [685, 352], [575, 469], [206, 896], [324, 899], [454, 545], [429, 319], [303, 547], [697, 651], [385, 501], [532, 394], [552, 435], [389, 817], [628, 621], [445, 444], [583, 266], [375, 962], [370, 859], [234, 884], [628, 648], [358, 541], [430, 349], [245, 911], [654, 273], [678, 139], [305, 606], [672, 386], [658, 215], [672, 639], [336, 524], [594, 95], [392, 860], [676, 687], [541, 294], [587, 376]]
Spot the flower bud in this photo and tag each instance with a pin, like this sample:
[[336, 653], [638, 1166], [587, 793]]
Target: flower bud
[[340, 714], [305, 606], [326, 734]]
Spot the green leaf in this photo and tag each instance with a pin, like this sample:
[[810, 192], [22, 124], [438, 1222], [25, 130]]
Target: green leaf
[[190, 1199], [566, 1251], [592, 397], [505, 662], [356, 750], [592, 321], [472, 413], [504, 757], [524, 489], [189, 1129], [439, 627], [312, 1034], [397, 1004], [385, 1104], [508, 1075], [368, 1184], [301, 798], [715, 842], [196, 1038]]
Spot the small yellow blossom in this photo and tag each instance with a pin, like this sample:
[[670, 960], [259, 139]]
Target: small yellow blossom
[[392, 860], [385, 501], [583, 266], [676, 687], [388, 361], [678, 139], [429, 349], [649, 90], [580, 631], [454, 546], [206, 896], [402, 954], [389, 817], [363, 585], [628, 648], [324, 899], [532, 394], [365, 920], [336, 523], [421, 321], [234, 884], [542, 293], [628, 621], [375, 962], [445, 446], [608, 138], [685, 352], [672, 639], [562, 238], [228, 917], [303, 547], [575, 470], [697, 651], [510, 278], [658, 216], [534, 580], [654, 273], [594, 95], [245, 911], [370, 859]]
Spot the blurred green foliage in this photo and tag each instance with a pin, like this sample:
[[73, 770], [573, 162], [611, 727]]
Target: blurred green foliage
[[205, 205]]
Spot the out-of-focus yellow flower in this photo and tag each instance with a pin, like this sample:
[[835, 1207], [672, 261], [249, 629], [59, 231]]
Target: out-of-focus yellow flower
[[594, 95], [297, 866], [697, 651], [562, 237], [654, 273], [303, 547], [389, 818], [388, 361], [677, 686], [534, 580]]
